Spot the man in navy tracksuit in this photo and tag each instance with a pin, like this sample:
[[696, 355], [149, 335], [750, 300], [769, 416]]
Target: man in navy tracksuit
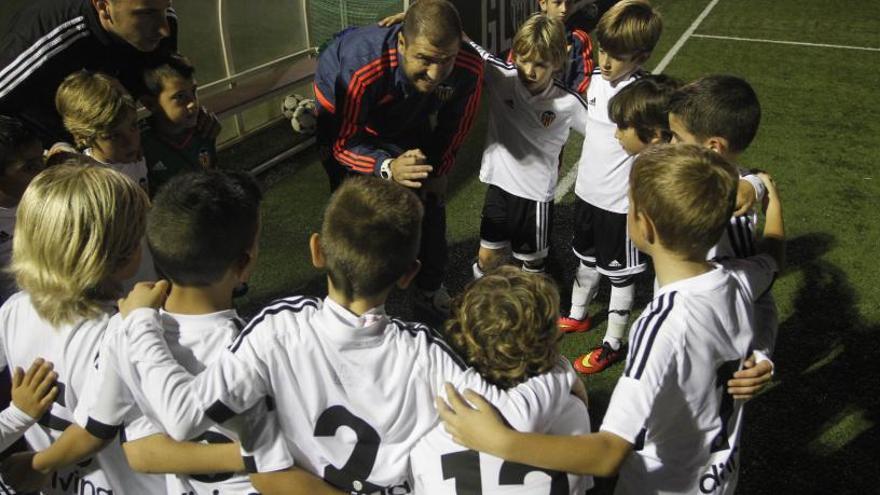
[[397, 102], [49, 39]]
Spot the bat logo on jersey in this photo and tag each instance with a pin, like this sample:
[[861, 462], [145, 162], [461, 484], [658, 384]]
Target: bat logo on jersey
[[547, 118], [445, 92]]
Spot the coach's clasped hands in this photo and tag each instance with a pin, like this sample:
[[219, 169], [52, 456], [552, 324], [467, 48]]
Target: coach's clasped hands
[[410, 169]]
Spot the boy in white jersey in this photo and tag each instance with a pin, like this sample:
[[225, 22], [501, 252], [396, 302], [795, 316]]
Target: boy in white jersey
[[722, 113], [102, 118], [77, 236], [670, 426], [21, 158], [340, 362], [530, 115], [504, 325], [626, 36], [203, 232], [639, 112]]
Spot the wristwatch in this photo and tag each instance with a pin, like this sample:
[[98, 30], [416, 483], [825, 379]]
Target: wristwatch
[[385, 169]]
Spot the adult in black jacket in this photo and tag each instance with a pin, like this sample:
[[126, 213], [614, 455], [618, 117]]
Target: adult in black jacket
[[49, 39]]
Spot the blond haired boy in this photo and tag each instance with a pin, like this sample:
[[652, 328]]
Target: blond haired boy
[[530, 116], [670, 427], [504, 325], [102, 118], [77, 237]]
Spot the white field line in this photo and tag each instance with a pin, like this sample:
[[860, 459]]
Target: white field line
[[782, 42], [566, 183]]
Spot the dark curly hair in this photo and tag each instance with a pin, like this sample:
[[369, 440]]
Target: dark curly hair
[[504, 325]]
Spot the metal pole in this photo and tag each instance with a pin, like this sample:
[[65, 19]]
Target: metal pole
[[227, 60], [306, 29]]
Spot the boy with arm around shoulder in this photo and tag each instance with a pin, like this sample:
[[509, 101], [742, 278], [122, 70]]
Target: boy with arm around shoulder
[[670, 427], [343, 361]]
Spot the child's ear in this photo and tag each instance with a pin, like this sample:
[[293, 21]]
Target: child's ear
[[646, 228], [410, 275], [718, 144], [246, 265], [315, 249]]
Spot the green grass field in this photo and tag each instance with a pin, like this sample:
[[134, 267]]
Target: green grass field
[[815, 429]]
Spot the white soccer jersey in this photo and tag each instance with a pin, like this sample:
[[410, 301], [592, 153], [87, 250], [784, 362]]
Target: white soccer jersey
[[603, 169], [739, 240], [7, 229], [671, 402], [24, 336], [136, 171], [354, 393], [442, 467], [526, 132], [195, 341]]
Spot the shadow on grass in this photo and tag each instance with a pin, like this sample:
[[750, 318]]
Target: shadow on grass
[[815, 431]]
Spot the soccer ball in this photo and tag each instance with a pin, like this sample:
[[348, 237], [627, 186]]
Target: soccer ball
[[288, 106], [301, 113]]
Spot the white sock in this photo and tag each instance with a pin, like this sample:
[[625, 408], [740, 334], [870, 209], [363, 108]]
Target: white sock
[[615, 343], [478, 272], [619, 307], [586, 283]]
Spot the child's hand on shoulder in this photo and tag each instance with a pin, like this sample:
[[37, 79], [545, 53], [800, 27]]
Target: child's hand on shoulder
[[769, 183], [144, 295], [471, 420], [34, 391], [745, 197]]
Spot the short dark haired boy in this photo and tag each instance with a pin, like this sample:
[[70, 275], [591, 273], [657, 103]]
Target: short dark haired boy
[[722, 113], [170, 139]]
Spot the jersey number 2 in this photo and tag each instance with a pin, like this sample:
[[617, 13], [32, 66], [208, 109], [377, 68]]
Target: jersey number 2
[[352, 475]]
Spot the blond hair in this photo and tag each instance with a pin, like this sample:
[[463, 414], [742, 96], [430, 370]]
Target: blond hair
[[92, 104], [75, 226], [541, 37], [688, 192], [629, 28], [504, 325]]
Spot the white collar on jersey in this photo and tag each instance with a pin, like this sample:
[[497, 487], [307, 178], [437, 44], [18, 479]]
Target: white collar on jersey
[[216, 318], [371, 323], [705, 280]]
